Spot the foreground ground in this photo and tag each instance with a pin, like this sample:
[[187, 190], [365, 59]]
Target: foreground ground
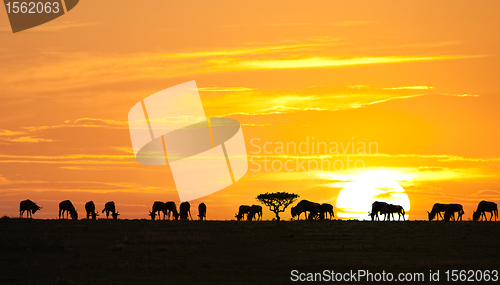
[[218, 252]]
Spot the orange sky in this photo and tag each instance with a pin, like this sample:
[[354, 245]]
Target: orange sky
[[417, 78]]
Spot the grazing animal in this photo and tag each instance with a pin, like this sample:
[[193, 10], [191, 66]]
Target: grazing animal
[[115, 215], [152, 215], [67, 206], [90, 209], [327, 209], [376, 208], [255, 209], [29, 206], [202, 211], [296, 212], [482, 208], [158, 207], [244, 209], [306, 206], [109, 207], [171, 208], [315, 211], [450, 211], [436, 209], [389, 211], [184, 210]]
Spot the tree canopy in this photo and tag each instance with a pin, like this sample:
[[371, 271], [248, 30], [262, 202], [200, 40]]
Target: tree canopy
[[278, 201]]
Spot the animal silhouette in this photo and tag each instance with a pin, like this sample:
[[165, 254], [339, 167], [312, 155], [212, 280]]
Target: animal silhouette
[[90, 209], [184, 209], [158, 207], [482, 208], [389, 211], [315, 212], [327, 209], [109, 207], [171, 210], [242, 211], [437, 209], [202, 211], [450, 211], [115, 215], [377, 206], [305, 206], [255, 209], [29, 206], [67, 206]]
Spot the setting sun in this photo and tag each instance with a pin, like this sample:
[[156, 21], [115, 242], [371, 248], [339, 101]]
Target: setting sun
[[359, 191]]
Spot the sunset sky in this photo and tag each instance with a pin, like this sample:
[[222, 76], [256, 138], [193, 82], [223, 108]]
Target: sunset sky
[[418, 78]]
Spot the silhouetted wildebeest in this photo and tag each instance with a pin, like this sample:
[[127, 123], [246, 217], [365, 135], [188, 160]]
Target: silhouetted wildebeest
[[185, 209], [202, 211], [389, 211], [158, 207], [255, 209], [90, 209], [244, 209], [306, 206], [171, 208], [109, 207], [29, 206], [315, 212], [327, 209], [482, 208], [436, 209], [450, 211], [376, 208], [67, 206]]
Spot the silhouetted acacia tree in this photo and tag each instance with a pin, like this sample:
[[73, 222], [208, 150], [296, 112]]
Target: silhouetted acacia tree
[[277, 202]]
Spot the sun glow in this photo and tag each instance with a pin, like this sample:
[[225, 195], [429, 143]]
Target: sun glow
[[359, 191]]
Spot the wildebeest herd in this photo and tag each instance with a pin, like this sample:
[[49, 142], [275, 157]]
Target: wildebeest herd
[[316, 210], [170, 209], [387, 210], [67, 207], [250, 211], [311, 210]]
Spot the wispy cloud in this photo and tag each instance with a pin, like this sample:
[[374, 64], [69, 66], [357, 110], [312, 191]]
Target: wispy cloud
[[411, 87], [75, 71], [37, 134], [324, 62], [336, 24], [394, 98], [486, 193], [436, 157], [53, 27], [75, 159], [238, 51], [360, 86], [20, 137], [79, 70], [348, 23], [415, 87], [464, 95], [224, 89], [28, 139], [264, 102]]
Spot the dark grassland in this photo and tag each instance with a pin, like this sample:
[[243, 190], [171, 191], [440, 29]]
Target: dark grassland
[[228, 252]]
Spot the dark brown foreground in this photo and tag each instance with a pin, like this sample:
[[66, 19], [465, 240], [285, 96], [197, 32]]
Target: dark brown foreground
[[218, 252]]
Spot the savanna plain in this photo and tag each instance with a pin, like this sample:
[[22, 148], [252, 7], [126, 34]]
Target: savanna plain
[[37, 251]]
